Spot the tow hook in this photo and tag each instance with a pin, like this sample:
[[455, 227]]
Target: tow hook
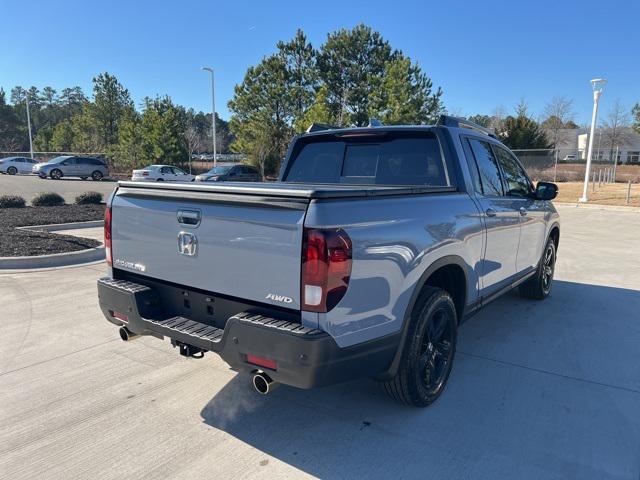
[[190, 351]]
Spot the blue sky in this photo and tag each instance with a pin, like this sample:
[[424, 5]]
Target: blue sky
[[482, 53]]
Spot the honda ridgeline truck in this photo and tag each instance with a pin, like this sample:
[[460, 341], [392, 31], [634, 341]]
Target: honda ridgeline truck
[[363, 259]]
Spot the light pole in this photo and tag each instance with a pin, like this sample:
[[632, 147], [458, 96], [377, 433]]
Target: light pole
[[213, 114], [597, 84], [29, 124]]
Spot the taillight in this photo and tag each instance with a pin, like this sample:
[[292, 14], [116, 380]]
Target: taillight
[[107, 235], [145, 174], [326, 268]]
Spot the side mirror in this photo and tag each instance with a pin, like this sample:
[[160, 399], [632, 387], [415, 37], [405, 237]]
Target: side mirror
[[546, 191]]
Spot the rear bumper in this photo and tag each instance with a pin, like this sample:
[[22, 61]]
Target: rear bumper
[[305, 357]]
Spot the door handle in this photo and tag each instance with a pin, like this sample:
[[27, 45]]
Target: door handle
[[523, 211], [490, 212]]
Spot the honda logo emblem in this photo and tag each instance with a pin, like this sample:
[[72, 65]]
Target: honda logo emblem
[[187, 244]]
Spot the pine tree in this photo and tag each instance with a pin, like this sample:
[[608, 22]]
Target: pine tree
[[522, 132]]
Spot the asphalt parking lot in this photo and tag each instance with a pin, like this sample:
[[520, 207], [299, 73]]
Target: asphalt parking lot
[[539, 389], [27, 186]]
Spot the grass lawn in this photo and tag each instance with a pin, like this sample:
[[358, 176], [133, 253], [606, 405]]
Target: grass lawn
[[609, 194]]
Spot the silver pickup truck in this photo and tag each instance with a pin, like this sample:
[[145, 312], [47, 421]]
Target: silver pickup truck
[[363, 259]]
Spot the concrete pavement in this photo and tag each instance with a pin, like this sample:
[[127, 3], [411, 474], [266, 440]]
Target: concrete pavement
[[27, 186], [539, 389]]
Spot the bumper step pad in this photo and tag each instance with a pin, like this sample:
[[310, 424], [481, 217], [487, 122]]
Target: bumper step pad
[[191, 332], [190, 328]]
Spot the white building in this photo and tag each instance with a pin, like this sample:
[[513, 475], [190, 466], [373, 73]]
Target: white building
[[576, 142]]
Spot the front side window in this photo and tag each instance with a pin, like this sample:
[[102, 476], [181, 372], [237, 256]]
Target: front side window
[[487, 165], [517, 183]]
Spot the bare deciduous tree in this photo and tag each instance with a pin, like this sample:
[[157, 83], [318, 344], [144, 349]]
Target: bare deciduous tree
[[616, 131], [558, 112], [497, 120], [192, 139]]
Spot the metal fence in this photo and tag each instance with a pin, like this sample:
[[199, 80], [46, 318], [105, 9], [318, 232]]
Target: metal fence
[[569, 165]]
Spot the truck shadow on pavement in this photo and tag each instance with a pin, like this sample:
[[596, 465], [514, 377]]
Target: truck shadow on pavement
[[538, 389]]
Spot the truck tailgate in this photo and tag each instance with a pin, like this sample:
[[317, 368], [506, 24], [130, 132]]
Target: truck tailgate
[[248, 246]]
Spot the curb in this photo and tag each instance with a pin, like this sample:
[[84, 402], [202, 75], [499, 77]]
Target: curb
[[597, 206], [64, 259], [63, 226], [53, 260]]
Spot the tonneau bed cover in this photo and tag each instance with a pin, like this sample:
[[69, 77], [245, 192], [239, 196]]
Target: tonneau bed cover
[[281, 189]]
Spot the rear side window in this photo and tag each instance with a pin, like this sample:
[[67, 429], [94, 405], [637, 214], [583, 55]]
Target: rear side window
[[487, 165], [414, 159]]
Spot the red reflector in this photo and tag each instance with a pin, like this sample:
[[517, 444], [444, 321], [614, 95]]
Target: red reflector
[[262, 362], [119, 316], [107, 235]]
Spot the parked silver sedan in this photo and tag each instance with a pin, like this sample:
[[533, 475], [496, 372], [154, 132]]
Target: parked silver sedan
[[15, 165], [161, 173]]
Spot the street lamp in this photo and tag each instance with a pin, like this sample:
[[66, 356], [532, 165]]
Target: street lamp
[[213, 114], [597, 84], [29, 124]]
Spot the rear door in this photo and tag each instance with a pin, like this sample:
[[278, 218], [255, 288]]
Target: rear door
[[245, 246], [84, 167], [519, 189], [501, 216], [28, 165], [166, 173]]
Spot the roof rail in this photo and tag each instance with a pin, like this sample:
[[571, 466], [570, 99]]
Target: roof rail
[[316, 127], [458, 122]]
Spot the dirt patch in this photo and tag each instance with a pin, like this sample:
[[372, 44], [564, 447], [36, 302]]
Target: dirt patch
[[17, 243]]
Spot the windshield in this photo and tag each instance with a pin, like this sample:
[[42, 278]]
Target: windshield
[[389, 159], [220, 170]]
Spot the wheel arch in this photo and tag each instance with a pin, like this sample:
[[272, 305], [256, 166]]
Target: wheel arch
[[449, 273], [554, 233]]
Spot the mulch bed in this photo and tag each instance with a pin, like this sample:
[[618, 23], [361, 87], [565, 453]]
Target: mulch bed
[[17, 243]]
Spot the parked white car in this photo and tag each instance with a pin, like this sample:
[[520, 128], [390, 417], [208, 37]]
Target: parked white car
[[161, 173], [13, 165]]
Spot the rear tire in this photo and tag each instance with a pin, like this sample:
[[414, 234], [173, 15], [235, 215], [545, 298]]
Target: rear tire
[[12, 170], [96, 176], [56, 174], [428, 352], [538, 287], [160, 180]]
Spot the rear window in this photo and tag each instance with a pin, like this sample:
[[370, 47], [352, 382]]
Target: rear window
[[414, 159]]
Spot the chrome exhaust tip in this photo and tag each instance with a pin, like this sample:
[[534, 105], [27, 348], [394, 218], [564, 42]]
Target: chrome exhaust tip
[[263, 383], [127, 335]]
